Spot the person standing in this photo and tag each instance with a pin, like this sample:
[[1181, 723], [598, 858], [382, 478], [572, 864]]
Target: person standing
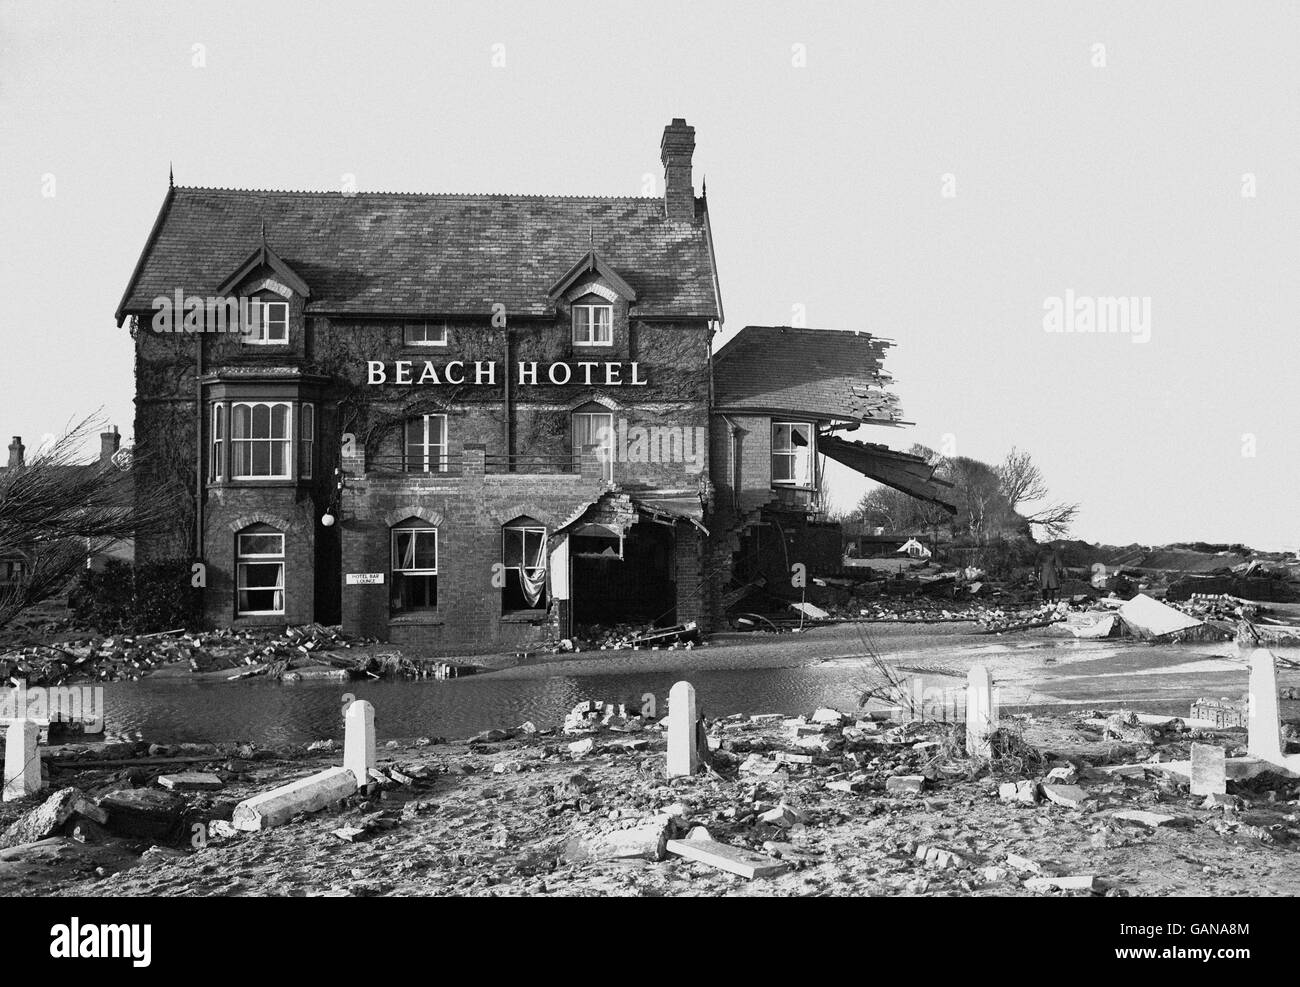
[[1049, 575]]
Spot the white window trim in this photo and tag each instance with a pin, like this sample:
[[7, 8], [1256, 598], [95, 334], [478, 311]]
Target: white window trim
[[392, 561], [217, 465], [796, 484], [591, 325], [534, 528], [306, 440], [261, 339], [608, 465], [407, 341], [288, 427], [242, 560], [426, 446]]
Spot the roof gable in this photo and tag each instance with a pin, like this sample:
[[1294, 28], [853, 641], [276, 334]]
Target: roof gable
[[591, 263], [264, 257]]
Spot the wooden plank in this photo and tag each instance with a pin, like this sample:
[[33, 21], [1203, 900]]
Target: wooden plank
[[735, 860]]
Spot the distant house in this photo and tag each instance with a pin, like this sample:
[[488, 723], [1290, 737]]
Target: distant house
[[915, 549], [14, 565]]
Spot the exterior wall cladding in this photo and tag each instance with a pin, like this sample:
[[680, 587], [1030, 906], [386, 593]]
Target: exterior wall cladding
[[337, 446]]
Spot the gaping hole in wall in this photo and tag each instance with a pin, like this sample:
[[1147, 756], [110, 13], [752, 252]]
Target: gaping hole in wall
[[637, 589]]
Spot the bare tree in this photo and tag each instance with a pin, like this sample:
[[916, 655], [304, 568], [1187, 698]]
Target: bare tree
[[55, 512], [1022, 483]]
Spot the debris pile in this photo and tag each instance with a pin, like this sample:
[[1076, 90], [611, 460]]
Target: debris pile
[[296, 653]]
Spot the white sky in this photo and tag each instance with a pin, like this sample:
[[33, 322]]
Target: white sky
[[824, 187]]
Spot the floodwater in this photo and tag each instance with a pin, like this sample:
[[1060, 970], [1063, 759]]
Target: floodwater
[[1030, 673]]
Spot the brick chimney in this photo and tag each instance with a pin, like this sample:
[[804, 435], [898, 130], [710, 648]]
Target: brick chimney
[[675, 151], [16, 450], [108, 444]]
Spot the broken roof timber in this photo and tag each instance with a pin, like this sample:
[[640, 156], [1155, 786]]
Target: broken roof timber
[[912, 475]]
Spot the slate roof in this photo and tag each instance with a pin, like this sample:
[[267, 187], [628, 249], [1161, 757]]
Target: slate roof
[[828, 374], [397, 254]]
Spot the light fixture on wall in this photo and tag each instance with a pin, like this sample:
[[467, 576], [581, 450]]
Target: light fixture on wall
[[327, 519]]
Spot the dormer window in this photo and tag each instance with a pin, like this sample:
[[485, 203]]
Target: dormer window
[[270, 322], [424, 334], [593, 325]]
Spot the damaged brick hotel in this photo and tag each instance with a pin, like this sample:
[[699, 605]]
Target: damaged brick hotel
[[476, 422]]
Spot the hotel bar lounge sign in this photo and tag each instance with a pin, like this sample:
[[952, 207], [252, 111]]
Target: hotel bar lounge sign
[[486, 373]]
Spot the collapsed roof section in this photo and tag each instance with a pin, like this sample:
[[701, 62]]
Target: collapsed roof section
[[828, 374], [901, 470], [833, 377]]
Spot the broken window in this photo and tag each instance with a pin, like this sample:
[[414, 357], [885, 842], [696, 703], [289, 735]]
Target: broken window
[[259, 577], [523, 558], [792, 454], [415, 567]]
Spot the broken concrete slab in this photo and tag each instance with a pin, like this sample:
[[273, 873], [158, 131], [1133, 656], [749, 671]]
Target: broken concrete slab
[[191, 781], [905, 784], [646, 838], [1077, 882], [1151, 820], [44, 820], [734, 860], [1070, 796], [1148, 618], [310, 794], [1025, 792], [144, 813]]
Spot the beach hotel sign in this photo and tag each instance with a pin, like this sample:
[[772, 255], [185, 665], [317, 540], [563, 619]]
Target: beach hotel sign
[[484, 372]]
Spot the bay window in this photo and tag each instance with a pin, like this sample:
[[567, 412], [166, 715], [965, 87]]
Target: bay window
[[260, 440]]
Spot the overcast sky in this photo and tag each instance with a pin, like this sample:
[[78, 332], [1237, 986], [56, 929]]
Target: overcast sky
[[1106, 149]]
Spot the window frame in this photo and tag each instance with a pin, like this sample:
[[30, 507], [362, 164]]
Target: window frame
[[608, 465], [423, 343], [218, 443], [306, 439], [245, 559], [394, 570], [263, 337], [270, 440], [797, 483], [425, 446], [591, 340], [543, 601]]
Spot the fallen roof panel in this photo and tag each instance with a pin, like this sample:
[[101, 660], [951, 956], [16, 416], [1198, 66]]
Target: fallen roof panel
[[900, 470]]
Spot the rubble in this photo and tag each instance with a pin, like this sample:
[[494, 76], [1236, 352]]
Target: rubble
[[297, 653]]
